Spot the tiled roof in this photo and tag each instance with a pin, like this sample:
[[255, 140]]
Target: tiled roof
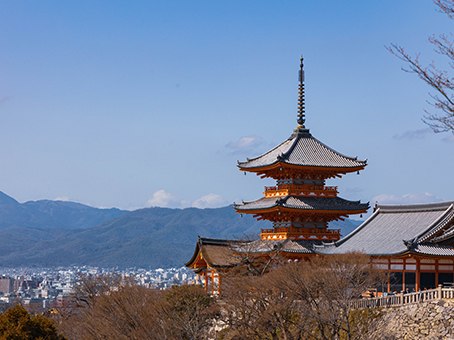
[[431, 249], [287, 246], [305, 150], [216, 252], [221, 253], [303, 203], [394, 229]]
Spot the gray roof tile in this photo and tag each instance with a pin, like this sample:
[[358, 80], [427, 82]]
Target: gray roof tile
[[288, 246], [384, 232], [431, 249], [303, 203], [305, 150]]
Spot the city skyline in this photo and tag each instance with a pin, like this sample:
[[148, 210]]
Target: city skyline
[[131, 105]]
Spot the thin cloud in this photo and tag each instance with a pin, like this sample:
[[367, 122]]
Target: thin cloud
[[413, 134], [164, 199], [246, 142], [416, 197], [161, 198], [210, 201], [5, 99]]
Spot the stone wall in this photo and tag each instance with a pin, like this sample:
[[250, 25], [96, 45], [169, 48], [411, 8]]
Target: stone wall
[[428, 320]]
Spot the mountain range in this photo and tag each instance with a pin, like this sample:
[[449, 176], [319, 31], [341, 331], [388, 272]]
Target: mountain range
[[49, 233]]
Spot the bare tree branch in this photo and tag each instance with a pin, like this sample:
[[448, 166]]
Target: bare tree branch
[[439, 80]]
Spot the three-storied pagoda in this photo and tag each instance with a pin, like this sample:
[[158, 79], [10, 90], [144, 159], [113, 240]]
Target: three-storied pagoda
[[300, 205], [413, 243]]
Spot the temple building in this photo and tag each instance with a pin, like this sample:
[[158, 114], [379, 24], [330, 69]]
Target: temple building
[[413, 243]]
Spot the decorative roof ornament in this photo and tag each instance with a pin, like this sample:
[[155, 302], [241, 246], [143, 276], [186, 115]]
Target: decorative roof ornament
[[301, 118]]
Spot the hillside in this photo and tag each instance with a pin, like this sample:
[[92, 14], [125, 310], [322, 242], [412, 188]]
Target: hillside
[[157, 237], [152, 237], [46, 214]]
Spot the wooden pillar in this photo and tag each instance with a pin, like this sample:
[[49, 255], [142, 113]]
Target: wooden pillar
[[403, 275], [389, 275], [219, 283], [436, 273], [418, 271]]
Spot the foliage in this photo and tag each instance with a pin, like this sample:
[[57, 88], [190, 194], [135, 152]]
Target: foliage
[[439, 80], [17, 324]]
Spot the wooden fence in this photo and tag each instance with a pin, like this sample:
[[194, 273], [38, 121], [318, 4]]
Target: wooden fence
[[405, 299]]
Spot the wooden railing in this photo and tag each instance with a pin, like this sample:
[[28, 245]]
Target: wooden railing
[[301, 189], [405, 299], [301, 230]]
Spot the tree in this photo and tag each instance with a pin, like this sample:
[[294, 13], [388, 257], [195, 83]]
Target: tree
[[325, 289], [306, 300], [116, 308], [439, 80], [255, 257], [255, 309], [17, 324], [191, 312]]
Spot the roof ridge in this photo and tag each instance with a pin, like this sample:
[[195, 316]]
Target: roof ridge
[[415, 207], [266, 153], [292, 147], [442, 222], [216, 241]]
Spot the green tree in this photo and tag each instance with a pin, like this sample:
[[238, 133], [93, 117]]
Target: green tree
[[17, 324], [440, 80]]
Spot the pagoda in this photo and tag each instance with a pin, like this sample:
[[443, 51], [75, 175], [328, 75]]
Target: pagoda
[[300, 205], [413, 244]]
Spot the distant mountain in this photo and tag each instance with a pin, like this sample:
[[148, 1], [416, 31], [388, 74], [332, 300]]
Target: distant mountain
[[54, 233], [5, 199], [153, 237], [156, 237], [46, 214]]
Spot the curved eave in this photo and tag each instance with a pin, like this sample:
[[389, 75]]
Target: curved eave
[[444, 239], [406, 253], [190, 264], [199, 261], [277, 208], [436, 229], [418, 254], [278, 164], [298, 150], [422, 251]]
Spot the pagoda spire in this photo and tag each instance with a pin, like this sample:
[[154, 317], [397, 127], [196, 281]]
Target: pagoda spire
[[301, 118]]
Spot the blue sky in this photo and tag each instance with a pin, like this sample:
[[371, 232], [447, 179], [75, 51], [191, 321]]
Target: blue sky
[[132, 104]]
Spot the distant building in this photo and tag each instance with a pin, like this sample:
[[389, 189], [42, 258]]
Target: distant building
[[7, 285]]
